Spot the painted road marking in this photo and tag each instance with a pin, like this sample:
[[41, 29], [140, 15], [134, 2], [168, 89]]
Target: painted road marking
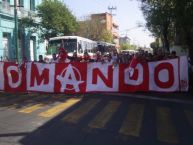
[[103, 117], [165, 130], [81, 111], [133, 121], [32, 108], [23, 100], [189, 115], [59, 108]]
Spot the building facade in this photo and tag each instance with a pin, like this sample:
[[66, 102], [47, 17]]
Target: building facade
[[28, 45], [124, 40], [107, 23]]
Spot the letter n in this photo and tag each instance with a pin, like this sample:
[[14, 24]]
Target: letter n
[[106, 77]]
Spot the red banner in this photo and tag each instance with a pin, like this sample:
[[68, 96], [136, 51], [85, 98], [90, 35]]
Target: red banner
[[163, 76]]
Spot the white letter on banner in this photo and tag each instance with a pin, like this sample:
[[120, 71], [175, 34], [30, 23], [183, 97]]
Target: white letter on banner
[[163, 75], [10, 79], [184, 83], [102, 77], [129, 81], [2, 76], [67, 77], [40, 82]]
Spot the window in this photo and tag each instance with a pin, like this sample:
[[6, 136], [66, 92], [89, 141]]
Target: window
[[20, 2], [6, 6], [32, 5], [8, 1]]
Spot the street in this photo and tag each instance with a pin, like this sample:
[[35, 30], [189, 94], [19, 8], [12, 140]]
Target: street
[[94, 119]]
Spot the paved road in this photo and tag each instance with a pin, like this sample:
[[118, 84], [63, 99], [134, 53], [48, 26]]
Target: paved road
[[91, 119]]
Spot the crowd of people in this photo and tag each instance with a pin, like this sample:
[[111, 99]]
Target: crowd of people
[[109, 57]]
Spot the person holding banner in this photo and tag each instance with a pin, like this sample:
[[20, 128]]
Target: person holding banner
[[133, 64], [62, 55], [86, 57], [115, 59], [54, 58], [41, 60]]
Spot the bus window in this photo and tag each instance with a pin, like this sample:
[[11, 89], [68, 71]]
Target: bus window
[[80, 51], [53, 46], [79, 46], [71, 44]]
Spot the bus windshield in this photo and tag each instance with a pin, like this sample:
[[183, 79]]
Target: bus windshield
[[70, 45]]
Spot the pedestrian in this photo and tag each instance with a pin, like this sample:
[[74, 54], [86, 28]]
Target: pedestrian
[[86, 57], [62, 55], [115, 59], [41, 60], [75, 58], [54, 58]]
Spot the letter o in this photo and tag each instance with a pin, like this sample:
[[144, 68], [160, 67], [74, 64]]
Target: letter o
[[169, 68], [10, 79]]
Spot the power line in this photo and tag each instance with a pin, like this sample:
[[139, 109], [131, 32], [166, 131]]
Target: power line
[[111, 9]]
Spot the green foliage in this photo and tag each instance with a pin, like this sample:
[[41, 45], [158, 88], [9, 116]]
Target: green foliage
[[106, 36], [90, 28], [30, 24], [170, 20], [55, 19], [158, 15], [154, 45], [126, 46], [93, 29]]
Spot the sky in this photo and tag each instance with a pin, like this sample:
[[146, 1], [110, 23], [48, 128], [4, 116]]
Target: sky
[[127, 15]]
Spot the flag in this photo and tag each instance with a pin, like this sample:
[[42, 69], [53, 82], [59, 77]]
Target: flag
[[132, 66]]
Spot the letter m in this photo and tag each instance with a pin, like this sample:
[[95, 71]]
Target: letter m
[[39, 75]]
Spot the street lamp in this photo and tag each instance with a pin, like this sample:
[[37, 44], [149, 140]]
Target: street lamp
[[16, 29]]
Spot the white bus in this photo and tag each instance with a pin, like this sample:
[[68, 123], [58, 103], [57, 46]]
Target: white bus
[[105, 47], [72, 44]]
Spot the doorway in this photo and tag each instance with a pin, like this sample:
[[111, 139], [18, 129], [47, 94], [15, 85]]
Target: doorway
[[6, 46]]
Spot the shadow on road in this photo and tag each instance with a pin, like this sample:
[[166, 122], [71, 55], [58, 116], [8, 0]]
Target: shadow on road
[[58, 131], [14, 134], [20, 100]]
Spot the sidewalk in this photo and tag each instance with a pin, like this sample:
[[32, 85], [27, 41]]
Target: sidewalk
[[176, 97]]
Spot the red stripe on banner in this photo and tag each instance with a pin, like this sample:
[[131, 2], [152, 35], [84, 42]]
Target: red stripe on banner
[[14, 77], [79, 77], [179, 73]]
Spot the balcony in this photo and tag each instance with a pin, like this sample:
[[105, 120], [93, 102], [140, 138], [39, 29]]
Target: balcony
[[8, 10], [115, 34], [116, 26]]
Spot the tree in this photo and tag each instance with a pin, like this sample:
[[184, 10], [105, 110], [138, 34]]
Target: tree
[[55, 19], [106, 36], [94, 29], [126, 46], [183, 11], [154, 45], [170, 20], [158, 15], [90, 28]]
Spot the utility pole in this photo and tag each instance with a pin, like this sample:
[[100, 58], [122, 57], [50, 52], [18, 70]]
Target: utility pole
[[16, 30], [111, 9]]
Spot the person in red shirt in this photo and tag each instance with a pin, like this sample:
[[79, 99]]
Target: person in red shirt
[[133, 64], [86, 57], [62, 55]]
